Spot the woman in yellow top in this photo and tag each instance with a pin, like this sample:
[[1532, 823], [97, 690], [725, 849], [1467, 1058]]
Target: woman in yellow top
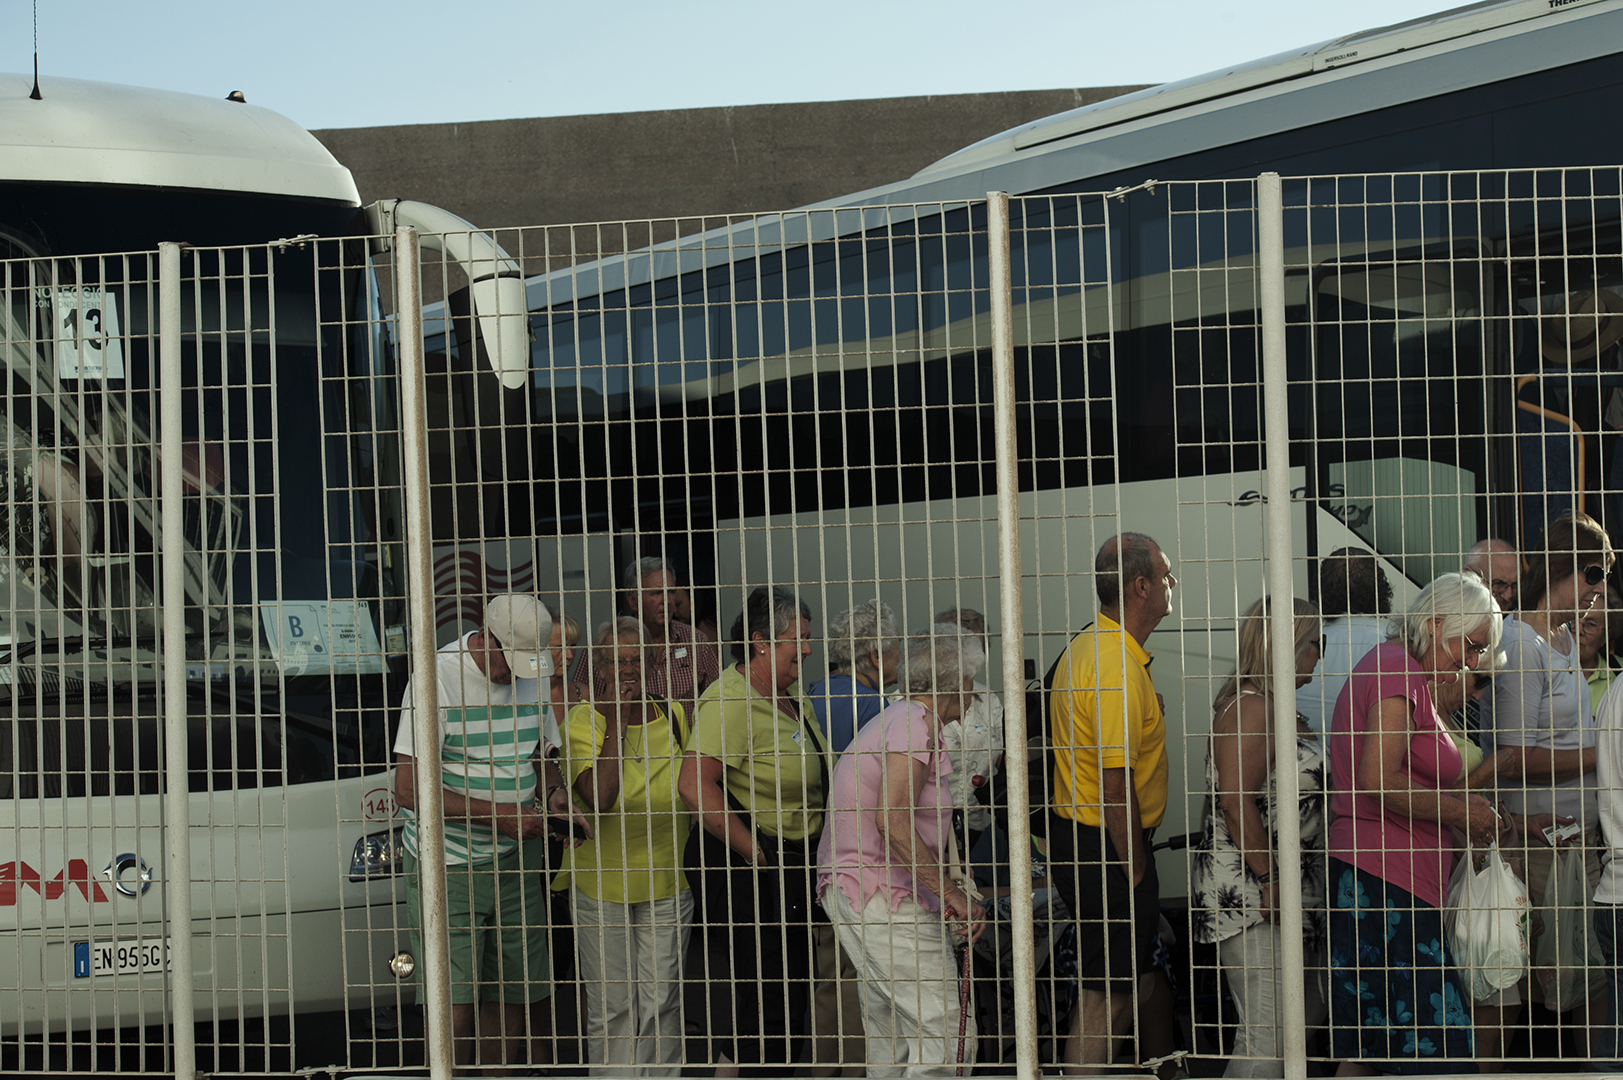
[[630, 901]]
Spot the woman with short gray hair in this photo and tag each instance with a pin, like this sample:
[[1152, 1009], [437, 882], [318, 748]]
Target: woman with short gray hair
[[863, 651], [754, 775], [880, 864], [1397, 1002]]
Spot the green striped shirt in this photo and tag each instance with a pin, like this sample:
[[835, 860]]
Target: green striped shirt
[[489, 735]]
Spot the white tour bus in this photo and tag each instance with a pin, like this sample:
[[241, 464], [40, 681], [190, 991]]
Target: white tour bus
[[806, 398], [295, 597]]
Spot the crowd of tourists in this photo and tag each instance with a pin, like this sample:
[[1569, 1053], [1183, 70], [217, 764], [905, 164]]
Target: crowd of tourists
[[815, 834], [1475, 722]]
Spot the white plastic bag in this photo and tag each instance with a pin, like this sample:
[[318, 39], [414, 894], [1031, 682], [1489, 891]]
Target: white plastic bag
[[1486, 922], [1563, 949]]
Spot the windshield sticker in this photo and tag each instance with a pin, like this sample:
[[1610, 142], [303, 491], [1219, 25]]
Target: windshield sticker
[[89, 344], [316, 637]]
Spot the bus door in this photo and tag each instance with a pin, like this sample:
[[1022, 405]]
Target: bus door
[[1564, 331], [1562, 465], [1405, 406]]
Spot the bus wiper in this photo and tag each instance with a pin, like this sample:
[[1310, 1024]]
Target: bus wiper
[[22, 650]]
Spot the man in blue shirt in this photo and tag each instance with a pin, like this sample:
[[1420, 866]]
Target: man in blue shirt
[[863, 651], [1355, 600]]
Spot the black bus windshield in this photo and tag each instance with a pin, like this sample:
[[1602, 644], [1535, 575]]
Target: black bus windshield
[[284, 520]]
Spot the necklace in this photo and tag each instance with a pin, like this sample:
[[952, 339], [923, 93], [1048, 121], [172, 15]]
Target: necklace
[[779, 701], [761, 684]]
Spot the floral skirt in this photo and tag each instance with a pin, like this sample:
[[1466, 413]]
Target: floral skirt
[[1396, 999]]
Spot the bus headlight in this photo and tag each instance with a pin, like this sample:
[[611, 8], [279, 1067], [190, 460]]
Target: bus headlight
[[377, 855]]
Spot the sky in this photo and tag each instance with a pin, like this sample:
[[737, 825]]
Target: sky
[[362, 63]]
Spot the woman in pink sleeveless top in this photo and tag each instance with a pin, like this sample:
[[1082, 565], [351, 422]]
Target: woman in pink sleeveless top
[[1397, 1003]]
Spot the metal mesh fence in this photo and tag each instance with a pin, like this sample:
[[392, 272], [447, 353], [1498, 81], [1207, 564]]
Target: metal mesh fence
[[849, 472]]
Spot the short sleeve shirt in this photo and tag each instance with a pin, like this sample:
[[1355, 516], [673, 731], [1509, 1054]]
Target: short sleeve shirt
[[683, 667], [774, 760], [636, 852], [974, 742], [1609, 778], [1600, 680], [853, 854], [489, 736], [1105, 715], [1347, 640], [844, 704], [1414, 854], [1540, 698]]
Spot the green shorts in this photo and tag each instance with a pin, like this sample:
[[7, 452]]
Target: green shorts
[[497, 917]]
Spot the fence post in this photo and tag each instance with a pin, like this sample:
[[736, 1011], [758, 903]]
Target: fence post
[[1011, 606], [1292, 1017], [425, 709], [177, 810]]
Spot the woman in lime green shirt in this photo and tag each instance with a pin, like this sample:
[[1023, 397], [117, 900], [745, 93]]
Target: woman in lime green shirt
[[630, 901], [1595, 646], [755, 775]]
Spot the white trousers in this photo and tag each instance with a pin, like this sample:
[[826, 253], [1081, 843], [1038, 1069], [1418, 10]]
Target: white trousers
[[909, 969], [1250, 963], [630, 957]]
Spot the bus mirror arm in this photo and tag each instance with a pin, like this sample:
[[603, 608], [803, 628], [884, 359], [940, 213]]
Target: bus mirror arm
[[496, 281]]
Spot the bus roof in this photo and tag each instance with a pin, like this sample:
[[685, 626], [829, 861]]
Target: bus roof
[[1362, 72], [1468, 47], [102, 133]]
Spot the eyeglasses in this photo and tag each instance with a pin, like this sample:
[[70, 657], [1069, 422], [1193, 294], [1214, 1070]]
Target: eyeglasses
[[1594, 574], [1324, 645], [1473, 649]]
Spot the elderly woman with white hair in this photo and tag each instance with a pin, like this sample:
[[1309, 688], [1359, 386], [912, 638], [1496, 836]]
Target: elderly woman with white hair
[[1397, 1002], [883, 864], [862, 654]]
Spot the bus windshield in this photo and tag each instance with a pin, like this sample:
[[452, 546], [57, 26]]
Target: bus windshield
[[283, 515]]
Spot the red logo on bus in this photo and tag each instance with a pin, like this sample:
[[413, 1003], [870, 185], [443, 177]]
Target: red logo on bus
[[77, 874]]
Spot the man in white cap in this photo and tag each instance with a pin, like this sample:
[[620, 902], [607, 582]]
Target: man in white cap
[[499, 789]]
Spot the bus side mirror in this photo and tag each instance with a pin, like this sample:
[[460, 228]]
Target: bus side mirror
[[496, 282]]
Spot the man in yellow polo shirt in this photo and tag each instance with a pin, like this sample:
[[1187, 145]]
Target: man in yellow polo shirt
[[1110, 789]]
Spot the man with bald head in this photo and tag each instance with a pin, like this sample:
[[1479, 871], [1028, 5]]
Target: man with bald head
[[1495, 562], [1110, 789]]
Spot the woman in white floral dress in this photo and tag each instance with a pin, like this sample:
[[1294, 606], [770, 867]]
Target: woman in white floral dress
[[1236, 874]]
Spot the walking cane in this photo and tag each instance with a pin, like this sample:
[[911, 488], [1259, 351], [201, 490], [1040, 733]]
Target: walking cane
[[963, 1005]]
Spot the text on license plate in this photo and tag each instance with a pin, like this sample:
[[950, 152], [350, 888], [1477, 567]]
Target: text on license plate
[[120, 957]]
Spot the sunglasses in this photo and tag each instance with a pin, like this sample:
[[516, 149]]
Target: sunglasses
[[1594, 574]]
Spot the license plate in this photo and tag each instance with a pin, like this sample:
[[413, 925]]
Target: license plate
[[120, 957]]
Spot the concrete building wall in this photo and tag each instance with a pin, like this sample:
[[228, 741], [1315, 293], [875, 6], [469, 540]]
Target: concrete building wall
[[678, 163]]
